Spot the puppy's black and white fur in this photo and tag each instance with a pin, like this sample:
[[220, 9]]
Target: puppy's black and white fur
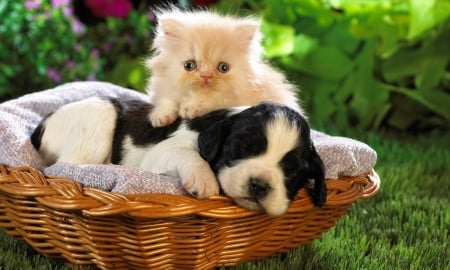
[[261, 155]]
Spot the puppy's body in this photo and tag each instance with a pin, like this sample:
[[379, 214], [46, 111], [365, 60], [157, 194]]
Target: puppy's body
[[97, 130], [79, 132], [261, 155], [213, 62]]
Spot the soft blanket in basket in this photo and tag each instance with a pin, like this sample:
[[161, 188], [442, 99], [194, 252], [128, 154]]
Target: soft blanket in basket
[[19, 117]]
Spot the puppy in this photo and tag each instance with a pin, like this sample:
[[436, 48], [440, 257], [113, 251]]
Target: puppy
[[261, 155]]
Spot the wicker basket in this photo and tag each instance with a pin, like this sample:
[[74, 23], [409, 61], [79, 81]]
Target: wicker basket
[[87, 226]]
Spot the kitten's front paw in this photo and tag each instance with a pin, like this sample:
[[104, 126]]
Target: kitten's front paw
[[191, 111], [161, 117], [200, 182]]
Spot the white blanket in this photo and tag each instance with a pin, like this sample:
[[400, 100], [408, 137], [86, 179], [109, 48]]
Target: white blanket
[[19, 117]]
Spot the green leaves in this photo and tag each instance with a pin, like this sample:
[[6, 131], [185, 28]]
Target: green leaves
[[365, 63], [369, 97], [45, 45], [39, 47], [128, 72], [421, 18], [326, 62], [279, 39], [418, 72]]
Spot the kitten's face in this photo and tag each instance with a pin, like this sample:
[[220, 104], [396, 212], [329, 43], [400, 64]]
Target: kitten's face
[[210, 62], [210, 53]]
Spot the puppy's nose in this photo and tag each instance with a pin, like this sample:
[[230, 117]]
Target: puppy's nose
[[258, 188]]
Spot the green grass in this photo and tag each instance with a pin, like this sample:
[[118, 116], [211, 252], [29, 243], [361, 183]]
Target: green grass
[[405, 226]]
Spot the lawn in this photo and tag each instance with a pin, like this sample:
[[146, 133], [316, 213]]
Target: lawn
[[405, 226]]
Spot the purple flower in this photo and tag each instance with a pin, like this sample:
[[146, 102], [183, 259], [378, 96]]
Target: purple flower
[[128, 39], [95, 52], [70, 64], [32, 4], [151, 17], [91, 77], [77, 27], [68, 11], [54, 75], [106, 47]]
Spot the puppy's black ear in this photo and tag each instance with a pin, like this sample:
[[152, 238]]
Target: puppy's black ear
[[210, 141], [317, 172]]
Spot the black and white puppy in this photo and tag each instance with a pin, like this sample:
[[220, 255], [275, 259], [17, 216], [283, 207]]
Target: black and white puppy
[[261, 155]]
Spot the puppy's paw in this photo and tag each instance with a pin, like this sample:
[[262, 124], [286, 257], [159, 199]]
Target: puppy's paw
[[201, 182], [160, 116], [192, 110]]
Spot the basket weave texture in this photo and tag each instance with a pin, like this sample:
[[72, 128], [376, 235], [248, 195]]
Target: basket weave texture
[[86, 226]]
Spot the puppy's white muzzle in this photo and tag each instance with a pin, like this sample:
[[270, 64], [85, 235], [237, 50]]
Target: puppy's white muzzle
[[255, 185]]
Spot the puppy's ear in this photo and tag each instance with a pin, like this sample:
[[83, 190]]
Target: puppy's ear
[[316, 171], [210, 141]]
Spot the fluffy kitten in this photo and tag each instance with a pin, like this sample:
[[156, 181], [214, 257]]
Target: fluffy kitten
[[204, 61]]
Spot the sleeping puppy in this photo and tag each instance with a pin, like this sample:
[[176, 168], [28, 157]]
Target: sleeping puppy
[[261, 155]]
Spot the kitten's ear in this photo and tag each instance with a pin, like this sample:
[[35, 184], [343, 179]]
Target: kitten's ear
[[171, 27], [248, 30]]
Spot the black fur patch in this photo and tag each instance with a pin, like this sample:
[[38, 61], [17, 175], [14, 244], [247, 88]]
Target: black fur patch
[[202, 123], [36, 137], [132, 120]]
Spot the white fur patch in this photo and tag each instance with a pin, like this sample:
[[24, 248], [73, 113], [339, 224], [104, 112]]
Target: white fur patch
[[159, 158], [80, 132], [282, 137], [175, 156]]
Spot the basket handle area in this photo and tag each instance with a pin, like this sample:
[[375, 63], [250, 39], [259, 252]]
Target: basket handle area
[[66, 194]]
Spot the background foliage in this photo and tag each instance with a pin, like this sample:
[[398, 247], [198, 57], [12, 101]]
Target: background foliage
[[364, 63], [44, 44], [367, 64], [40, 47]]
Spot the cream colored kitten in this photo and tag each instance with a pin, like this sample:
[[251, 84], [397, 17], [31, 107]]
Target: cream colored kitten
[[204, 61]]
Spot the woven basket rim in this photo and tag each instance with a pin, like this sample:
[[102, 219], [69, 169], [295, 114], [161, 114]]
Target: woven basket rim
[[66, 194]]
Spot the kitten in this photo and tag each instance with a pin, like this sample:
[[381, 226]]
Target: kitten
[[204, 61]]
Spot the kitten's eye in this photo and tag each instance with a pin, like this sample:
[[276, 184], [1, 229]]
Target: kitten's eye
[[223, 67], [190, 65]]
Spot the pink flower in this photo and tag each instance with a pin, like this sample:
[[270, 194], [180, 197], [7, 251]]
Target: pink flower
[[68, 11], [32, 4], [112, 8], [58, 3]]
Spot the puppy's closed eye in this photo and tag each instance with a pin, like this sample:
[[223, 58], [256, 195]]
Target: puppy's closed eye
[[290, 164]]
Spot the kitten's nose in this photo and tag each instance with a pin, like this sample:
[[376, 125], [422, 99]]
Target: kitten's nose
[[205, 75]]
